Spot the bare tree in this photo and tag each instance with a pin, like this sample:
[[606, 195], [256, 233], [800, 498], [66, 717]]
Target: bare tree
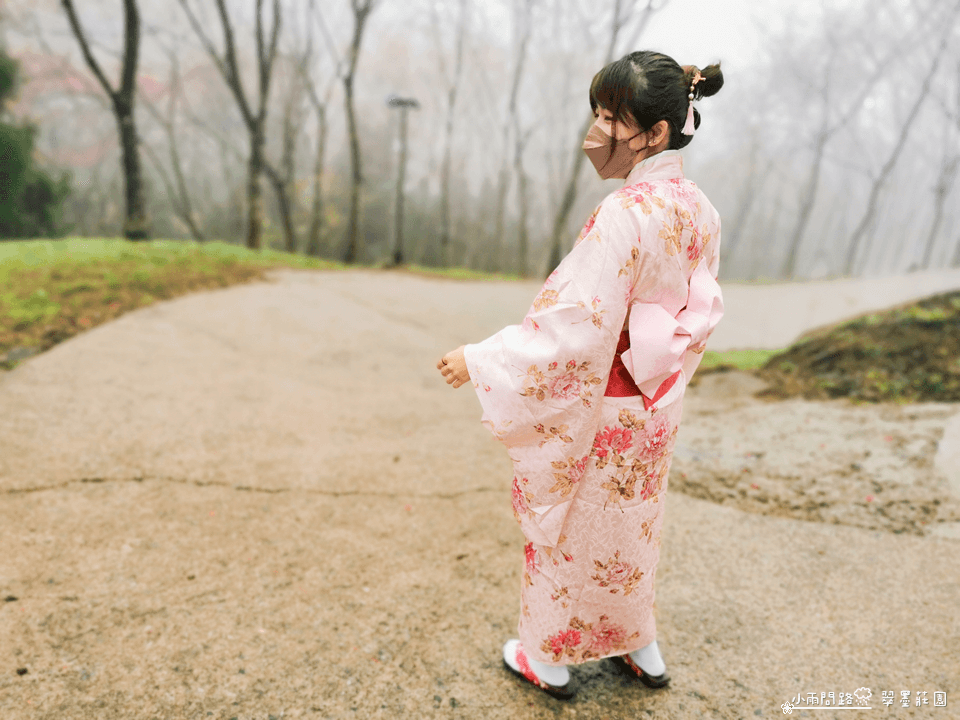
[[624, 11], [122, 98], [452, 81], [880, 181], [361, 13], [284, 177], [319, 101], [254, 118], [758, 171], [832, 122], [522, 29], [523, 197], [314, 237], [949, 165], [176, 186]]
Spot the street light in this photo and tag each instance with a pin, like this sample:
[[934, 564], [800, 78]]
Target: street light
[[405, 104]]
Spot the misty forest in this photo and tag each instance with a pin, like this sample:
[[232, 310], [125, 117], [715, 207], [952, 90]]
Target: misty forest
[[448, 132]]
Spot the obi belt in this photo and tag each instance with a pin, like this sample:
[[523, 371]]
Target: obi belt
[[621, 383]]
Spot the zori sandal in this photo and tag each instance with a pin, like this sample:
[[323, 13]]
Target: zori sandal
[[516, 661], [629, 667]]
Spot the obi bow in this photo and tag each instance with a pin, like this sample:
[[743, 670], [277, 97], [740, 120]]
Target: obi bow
[[659, 342]]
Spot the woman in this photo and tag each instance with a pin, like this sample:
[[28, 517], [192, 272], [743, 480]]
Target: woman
[[586, 393]]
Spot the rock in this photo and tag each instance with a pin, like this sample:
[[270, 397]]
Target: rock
[[15, 355], [947, 459]]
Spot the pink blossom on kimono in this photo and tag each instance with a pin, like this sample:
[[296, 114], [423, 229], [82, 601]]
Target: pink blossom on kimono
[[612, 439], [588, 226], [564, 639], [656, 436], [619, 572], [637, 190], [685, 192], [695, 248], [530, 555], [565, 386], [607, 636], [519, 499], [576, 471], [651, 485]]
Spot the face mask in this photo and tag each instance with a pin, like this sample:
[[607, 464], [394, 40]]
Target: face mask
[[616, 164]]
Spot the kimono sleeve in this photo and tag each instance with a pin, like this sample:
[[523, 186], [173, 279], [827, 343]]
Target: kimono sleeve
[[541, 383], [548, 374]]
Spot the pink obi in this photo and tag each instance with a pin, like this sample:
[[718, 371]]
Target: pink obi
[[621, 384]]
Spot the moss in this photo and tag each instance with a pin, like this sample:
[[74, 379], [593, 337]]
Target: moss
[[907, 354]]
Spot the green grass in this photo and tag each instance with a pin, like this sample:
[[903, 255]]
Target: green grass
[[736, 359], [51, 290], [34, 253]]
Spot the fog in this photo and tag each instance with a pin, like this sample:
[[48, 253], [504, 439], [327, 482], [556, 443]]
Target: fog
[[833, 148]]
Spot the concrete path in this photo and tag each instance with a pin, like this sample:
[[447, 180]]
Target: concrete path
[[263, 502]]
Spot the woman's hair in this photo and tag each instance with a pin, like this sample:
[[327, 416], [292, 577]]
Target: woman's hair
[[647, 87]]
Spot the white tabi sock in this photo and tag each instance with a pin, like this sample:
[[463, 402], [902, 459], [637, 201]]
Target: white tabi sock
[[556, 675], [649, 660]]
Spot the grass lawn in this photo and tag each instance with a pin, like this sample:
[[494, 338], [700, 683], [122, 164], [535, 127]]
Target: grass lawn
[[735, 359], [50, 290]]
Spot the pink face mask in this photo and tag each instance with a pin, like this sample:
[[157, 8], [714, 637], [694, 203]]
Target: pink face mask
[[609, 162]]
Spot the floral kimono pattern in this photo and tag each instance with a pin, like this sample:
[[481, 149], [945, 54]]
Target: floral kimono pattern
[[590, 471]]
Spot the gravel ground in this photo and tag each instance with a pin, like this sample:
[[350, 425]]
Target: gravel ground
[[263, 502]]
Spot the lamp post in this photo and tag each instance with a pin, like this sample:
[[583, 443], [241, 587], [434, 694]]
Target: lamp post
[[405, 104]]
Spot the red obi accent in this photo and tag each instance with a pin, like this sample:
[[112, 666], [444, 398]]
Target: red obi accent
[[622, 385]]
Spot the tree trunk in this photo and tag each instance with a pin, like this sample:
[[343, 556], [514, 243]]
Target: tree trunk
[[809, 199], [748, 195], [135, 225], [492, 262], [398, 212], [948, 172], [566, 205], [523, 239], [353, 221], [361, 12], [255, 191], [316, 213], [282, 187], [445, 170], [284, 181]]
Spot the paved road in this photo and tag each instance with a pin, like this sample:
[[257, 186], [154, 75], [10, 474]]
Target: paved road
[[261, 501]]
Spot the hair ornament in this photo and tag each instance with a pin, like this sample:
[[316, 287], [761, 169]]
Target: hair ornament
[[689, 127]]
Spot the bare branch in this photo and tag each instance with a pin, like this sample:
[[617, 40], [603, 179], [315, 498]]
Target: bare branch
[[85, 47], [331, 46], [131, 46], [205, 40]]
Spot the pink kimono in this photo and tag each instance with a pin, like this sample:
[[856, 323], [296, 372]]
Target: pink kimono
[[590, 455]]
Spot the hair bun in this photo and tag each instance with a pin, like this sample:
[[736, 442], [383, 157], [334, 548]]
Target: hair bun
[[711, 83]]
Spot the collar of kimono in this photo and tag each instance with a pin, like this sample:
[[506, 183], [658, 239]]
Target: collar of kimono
[[666, 165]]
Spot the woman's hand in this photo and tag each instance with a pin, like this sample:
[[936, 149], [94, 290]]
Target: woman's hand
[[453, 367]]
